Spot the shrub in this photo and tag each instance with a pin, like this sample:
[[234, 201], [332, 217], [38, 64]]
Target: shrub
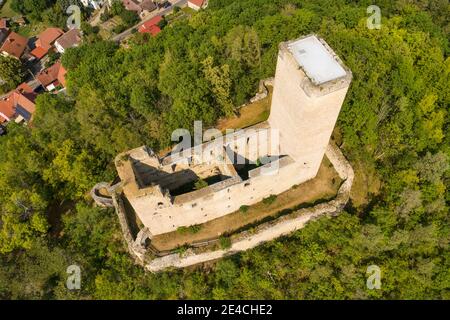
[[129, 17], [119, 28], [270, 199], [195, 228], [181, 250], [162, 23], [182, 230], [200, 184], [225, 242], [105, 16], [244, 208], [52, 57]]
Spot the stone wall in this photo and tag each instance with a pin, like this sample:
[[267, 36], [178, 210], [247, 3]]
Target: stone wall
[[102, 200], [263, 92]]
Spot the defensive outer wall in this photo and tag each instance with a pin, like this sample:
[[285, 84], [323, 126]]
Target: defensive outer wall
[[245, 240]]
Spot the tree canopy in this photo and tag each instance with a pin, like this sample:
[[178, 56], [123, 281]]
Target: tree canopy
[[392, 128]]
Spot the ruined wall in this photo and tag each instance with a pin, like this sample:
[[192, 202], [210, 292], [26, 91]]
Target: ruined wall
[[212, 203], [274, 229]]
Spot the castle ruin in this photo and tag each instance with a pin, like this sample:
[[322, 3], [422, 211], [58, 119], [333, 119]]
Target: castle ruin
[[244, 167]]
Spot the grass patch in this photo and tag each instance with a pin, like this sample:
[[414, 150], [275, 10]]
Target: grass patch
[[31, 29], [249, 115], [188, 10], [107, 27], [189, 230], [6, 11]]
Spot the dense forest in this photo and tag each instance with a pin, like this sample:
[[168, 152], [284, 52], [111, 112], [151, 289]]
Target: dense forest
[[392, 128]]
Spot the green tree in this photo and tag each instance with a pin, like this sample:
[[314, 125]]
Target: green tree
[[11, 73], [219, 78]]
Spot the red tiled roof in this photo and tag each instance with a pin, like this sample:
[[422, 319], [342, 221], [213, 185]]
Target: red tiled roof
[[7, 110], [49, 75], [14, 45], [48, 37], [39, 52], [152, 22], [148, 5], [62, 75], [24, 87], [26, 100], [15, 98], [151, 26], [131, 5], [198, 3], [154, 30]]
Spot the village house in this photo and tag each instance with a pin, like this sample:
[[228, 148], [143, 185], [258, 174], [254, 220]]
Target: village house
[[45, 42], [71, 38], [151, 26], [52, 77], [18, 105], [14, 46], [197, 4], [141, 7]]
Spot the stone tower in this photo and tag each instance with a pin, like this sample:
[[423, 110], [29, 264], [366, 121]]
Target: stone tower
[[310, 86]]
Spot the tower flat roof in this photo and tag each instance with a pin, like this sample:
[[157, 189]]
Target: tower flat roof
[[316, 60]]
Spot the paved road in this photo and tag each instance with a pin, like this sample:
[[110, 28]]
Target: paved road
[[160, 12]]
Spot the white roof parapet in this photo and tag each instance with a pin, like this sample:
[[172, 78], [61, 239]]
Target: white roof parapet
[[317, 61], [324, 71]]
